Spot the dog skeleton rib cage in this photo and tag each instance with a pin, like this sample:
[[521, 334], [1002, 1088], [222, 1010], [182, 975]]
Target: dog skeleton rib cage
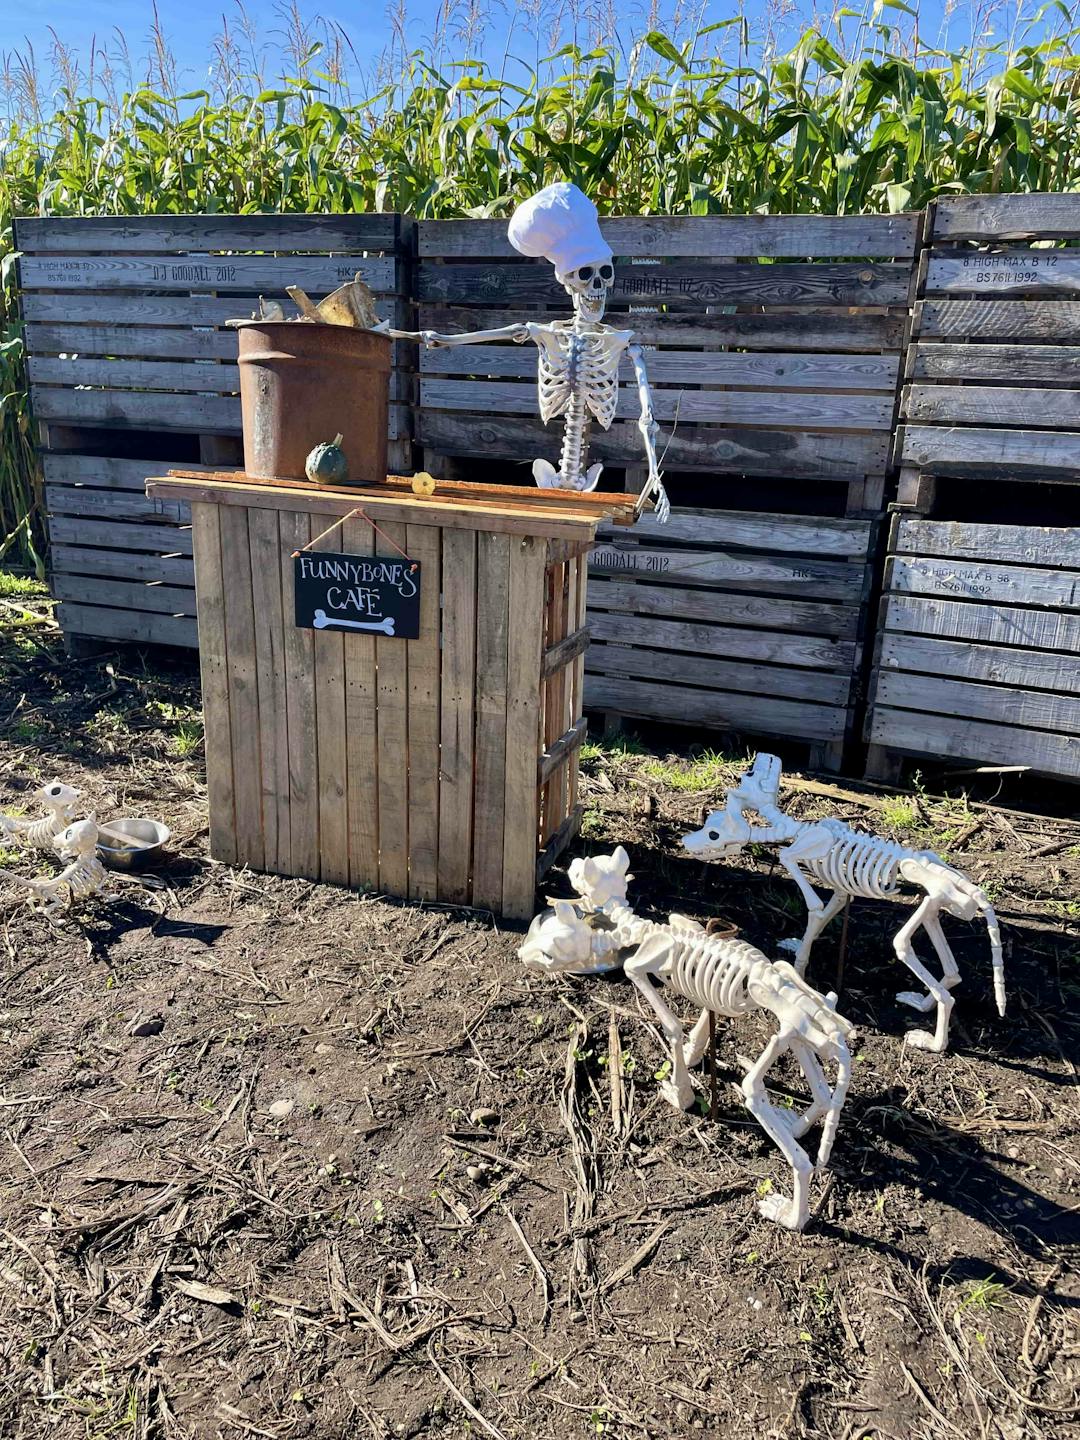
[[579, 358], [728, 977], [851, 863]]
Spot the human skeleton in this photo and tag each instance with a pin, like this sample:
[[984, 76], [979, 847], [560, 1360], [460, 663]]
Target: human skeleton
[[579, 358], [725, 976], [59, 802], [850, 863], [83, 877]]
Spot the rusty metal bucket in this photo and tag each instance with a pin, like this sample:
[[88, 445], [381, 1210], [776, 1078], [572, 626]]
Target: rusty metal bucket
[[301, 384]]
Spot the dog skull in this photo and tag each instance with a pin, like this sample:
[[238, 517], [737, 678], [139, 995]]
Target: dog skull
[[723, 833]]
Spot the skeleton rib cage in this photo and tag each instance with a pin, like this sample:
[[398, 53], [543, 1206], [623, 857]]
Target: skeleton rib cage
[[867, 866]]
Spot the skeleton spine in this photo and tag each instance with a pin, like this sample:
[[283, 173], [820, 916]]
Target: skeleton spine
[[711, 973], [864, 865], [575, 427]]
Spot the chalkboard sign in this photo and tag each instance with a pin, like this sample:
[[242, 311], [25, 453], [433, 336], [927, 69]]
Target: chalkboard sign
[[370, 594]]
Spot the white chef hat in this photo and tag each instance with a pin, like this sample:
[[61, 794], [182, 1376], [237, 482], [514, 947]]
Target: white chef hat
[[559, 223]]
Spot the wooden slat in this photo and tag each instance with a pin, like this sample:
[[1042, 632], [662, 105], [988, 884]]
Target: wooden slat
[[423, 545], [521, 801], [729, 407], [822, 579], [1008, 217], [70, 308], [122, 565], [788, 330], [722, 641], [1010, 544], [1000, 664], [1000, 704], [1005, 272], [331, 745], [273, 733], [748, 530], [1041, 454], [795, 371], [457, 714], [163, 233], [558, 842], [295, 531], [157, 539], [968, 580], [134, 374], [992, 405], [242, 671], [721, 608], [556, 702], [708, 671], [157, 410], [1014, 363], [137, 627], [102, 472], [252, 273], [993, 624], [139, 342], [682, 285], [565, 652], [556, 754], [489, 763], [124, 595], [579, 595], [113, 505], [793, 454], [945, 736], [391, 661], [361, 727], [817, 236], [717, 709], [992, 319]]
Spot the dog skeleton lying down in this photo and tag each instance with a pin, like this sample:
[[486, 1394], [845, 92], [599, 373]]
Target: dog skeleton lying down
[[600, 932]]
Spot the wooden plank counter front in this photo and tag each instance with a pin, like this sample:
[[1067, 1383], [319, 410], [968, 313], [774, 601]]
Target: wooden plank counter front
[[441, 768]]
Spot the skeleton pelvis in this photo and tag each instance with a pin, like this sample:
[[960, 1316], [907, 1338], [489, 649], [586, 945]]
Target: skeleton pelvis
[[548, 478]]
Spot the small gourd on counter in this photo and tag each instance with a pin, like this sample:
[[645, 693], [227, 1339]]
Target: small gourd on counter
[[326, 465]]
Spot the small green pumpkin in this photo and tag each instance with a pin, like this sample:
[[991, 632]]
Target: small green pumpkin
[[326, 465]]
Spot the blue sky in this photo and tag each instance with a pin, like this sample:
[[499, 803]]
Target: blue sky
[[192, 25]]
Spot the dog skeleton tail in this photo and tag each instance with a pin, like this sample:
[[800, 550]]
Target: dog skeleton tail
[[21, 880], [996, 960]]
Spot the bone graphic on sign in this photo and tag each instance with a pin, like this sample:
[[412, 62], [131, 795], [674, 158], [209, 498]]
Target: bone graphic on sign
[[385, 627]]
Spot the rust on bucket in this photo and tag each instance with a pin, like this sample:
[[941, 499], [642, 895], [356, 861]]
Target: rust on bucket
[[301, 384]]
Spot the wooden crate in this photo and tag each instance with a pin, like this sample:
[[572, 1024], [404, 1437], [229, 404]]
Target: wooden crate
[[744, 621], [774, 349], [977, 652], [992, 388], [442, 768], [132, 371]]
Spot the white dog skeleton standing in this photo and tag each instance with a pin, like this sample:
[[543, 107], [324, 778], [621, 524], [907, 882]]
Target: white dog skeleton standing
[[579, 358], [724, 976], [850, 863]]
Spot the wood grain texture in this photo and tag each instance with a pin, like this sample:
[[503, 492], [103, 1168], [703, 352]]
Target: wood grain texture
[[489, 762], [1005, 272], [361, 731], [121, 564], [102, 472], [69, 308], [992, 454], [423, 543], [124, 595], [994, 664], [458, 687], [111, 534], [252, 273], [242, 669], [1000, 704], [1057, 364], [719, 710], [712, 672], [556, 700], [682, 285], [809, 236], [811, 652], [747, 530], [331, 746], [721, 608], [295, 529], [273, 730], [1008, 544], [992, 319], [994, 624], [983, 744], [149, 342], [821, 579], [134, 374], [993, 405], [976, 580], [392, 678], [113, 505], [818, 411], [521, 802], [1007, 217], [140, 627], [789, 453], [214, 670]]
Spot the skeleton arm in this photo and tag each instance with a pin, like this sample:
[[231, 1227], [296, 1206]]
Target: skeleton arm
[[649, 431], [434, 340]]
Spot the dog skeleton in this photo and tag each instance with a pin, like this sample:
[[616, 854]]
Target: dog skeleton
[[727, 977], [59, 800], [850, 863], [83, 877]]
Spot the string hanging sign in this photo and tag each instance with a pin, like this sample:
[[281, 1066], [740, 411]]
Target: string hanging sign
[[376, 594]]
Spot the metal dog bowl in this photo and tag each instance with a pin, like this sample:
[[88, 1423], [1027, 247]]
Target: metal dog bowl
[[149, 838]]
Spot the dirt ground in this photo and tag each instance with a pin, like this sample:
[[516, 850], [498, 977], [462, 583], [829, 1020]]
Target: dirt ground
[[245, 1189]]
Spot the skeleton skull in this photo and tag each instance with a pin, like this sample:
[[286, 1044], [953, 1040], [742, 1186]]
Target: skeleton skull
[[588, 288], [724, 833]]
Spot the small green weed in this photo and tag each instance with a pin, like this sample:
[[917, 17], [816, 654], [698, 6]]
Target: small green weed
[[984, 1295], [900, 813], [707, 771]]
